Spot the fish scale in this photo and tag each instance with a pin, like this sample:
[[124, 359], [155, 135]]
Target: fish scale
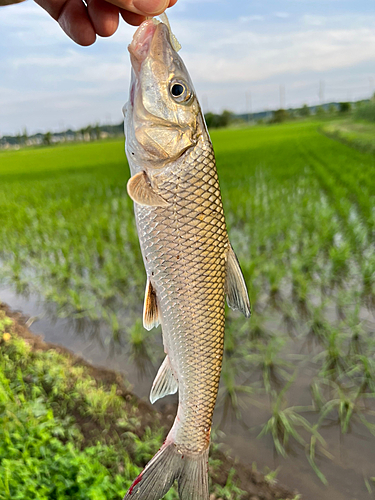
[[185, 258]]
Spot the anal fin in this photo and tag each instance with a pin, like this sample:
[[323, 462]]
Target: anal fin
[[165, 382], [235, 286], [141, 192], [150, 308]]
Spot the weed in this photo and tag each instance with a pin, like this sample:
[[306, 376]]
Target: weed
[[230, 491]]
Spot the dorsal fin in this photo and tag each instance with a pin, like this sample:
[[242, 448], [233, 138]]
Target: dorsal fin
[[150, 307], [235, 286], [141, 192], [165, 382]]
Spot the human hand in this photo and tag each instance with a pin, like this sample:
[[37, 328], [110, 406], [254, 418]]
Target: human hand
[[100, 17]]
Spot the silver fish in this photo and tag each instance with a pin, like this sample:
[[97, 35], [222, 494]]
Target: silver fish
[[189, 261]]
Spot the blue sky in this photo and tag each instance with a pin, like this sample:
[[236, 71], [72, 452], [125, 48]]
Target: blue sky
[[238, 53]]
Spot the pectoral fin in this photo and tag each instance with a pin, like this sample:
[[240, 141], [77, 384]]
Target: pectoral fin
[[141, 192], [165, 382], [150, 308], [235, 286]]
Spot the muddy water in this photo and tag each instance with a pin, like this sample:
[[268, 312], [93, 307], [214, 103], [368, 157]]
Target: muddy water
[[354, 454]]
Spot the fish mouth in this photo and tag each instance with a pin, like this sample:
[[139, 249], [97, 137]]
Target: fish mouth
[[150, 35]]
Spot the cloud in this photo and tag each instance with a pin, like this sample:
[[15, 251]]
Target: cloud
[[282, 15], [246, 19], [247, 55]]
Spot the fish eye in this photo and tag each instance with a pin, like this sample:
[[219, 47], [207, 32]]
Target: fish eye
[[179, 91]]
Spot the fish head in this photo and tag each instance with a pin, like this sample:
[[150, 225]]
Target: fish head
[[162, 116]]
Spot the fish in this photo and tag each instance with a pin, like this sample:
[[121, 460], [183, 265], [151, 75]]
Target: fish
[[190, 264]]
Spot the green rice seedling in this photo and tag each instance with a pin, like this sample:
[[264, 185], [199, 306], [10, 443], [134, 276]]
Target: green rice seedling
[[230, 392], [317, 440], [369, 482], [340, 257], [344, 301], [285, 423], [318, 326], [257, 331], [357, 336], [231, 337], [272, 366], [299, 294], [362, 371], [275, 276], [333, 358], [344, 402], [289, 319], [368, 281]]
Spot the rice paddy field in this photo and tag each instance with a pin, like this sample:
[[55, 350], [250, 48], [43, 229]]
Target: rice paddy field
[[298, 382]]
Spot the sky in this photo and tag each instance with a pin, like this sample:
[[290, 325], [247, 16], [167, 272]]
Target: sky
[[242, 55]]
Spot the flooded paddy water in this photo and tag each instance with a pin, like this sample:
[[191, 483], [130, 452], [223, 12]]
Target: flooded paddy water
[[348, 460]]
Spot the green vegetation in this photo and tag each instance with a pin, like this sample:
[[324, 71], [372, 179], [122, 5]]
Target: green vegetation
[[218, 121], [359, 134], [366, 111], [358, 130], [44, 452], [300, 213]]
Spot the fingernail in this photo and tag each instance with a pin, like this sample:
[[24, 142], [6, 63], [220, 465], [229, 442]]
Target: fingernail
[[151, 7]]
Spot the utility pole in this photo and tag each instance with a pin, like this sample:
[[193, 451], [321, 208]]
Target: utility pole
[[248, 106], [282, 96]]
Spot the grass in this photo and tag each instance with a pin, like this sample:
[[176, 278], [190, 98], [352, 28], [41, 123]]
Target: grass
[[360, 134], [301, 218]]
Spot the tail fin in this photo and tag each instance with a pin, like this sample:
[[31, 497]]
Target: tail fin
[[168, 465]]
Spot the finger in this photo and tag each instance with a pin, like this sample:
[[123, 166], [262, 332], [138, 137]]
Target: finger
[[136, 19], [104, 17], [142, 7], [73, 18], [75, 21], [131, 18]]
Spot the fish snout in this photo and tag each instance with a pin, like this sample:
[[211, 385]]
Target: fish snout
[[151, 38], [141, 43]]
